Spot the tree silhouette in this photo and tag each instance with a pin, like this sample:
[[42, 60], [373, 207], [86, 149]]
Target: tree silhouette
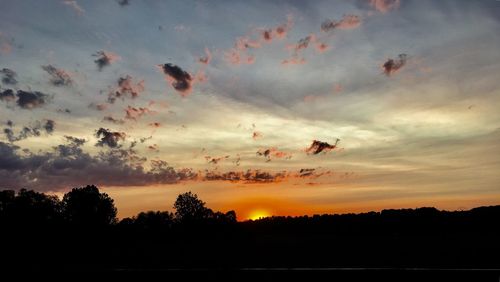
[[189, 209], [29, 207], [154, 220], [86, 206]]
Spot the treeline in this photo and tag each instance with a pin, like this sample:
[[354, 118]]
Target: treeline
[[87, 207], [81, 231]]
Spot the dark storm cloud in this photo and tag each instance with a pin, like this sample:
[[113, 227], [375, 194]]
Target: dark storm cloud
[[393, 65], [319, 146], [68, 166], [179, 79], [104, 59], [8, 76], [109, 138], [33, 130], [30, 99], [59, 77]]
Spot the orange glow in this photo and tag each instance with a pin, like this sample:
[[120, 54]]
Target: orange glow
[[258, 214]]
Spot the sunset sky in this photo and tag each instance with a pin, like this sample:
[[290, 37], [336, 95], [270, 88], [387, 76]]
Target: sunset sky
[[149, 98]]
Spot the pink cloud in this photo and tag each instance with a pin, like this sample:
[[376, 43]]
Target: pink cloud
[[321, 47], [384, 5], [207, 58], [347, 22], [135, 113], [278, 32]]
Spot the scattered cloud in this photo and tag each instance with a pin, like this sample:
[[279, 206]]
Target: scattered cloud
[[109, 138], [249, 176], [135, 113], [59, 77], [391, 66], [179, 79], [278, 32], [33, 130], [126, 88], [347, 22], [123, 2], [113, 120], [8, 76], [384, 5], [207, 58], [99, 107], [68, 166], [104, 58], [319, 146], [273, 153], [215, 160], [297, 48], [30, 99], [257, 135], [7, 95], [154, 148]]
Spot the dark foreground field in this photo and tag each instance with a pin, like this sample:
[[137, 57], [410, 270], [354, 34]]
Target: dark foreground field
[[76, 235]]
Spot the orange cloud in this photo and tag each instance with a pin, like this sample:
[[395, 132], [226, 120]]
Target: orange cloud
[[273, 153]]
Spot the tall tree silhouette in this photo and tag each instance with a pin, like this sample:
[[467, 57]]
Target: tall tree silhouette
[[188, 208], [86, 206]]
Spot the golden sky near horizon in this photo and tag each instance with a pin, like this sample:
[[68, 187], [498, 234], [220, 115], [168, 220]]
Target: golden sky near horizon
[[225, 99]]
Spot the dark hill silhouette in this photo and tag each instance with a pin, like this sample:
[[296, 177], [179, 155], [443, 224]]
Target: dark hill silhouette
[[81, 231]]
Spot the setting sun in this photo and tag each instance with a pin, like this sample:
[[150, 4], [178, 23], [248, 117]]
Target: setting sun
[[258, 214]]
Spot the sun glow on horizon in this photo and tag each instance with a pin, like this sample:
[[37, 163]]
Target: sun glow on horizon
[[258, 214]]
